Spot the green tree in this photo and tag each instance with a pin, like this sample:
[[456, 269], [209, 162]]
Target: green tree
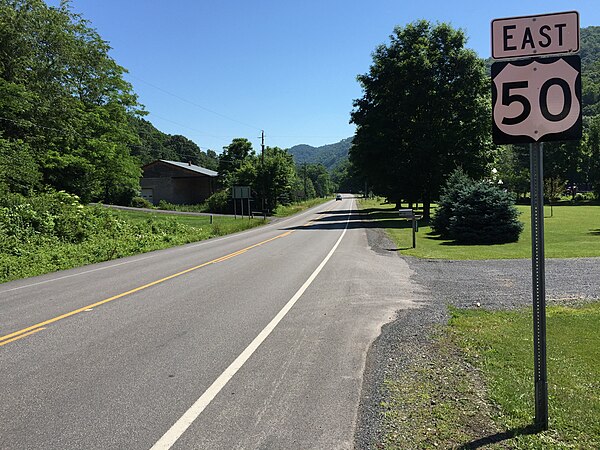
[[232, 158], [19, 171], [275, 176], [512, 165], [315, 179], [591, 145], [425, 111], [64, 97], [346, 179]]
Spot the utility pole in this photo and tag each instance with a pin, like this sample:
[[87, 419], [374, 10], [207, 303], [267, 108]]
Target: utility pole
[[262, 162]]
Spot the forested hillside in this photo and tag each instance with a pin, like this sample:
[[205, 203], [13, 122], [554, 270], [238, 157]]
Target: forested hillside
[[590, 68], [154, 144], [329, 155]]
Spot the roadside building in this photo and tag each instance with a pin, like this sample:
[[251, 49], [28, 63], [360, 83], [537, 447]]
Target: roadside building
[[175, 182]]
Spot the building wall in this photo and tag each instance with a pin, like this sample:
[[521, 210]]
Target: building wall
[[175, 185]]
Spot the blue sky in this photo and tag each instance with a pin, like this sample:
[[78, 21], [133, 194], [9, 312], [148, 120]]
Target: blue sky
[[220, 69]]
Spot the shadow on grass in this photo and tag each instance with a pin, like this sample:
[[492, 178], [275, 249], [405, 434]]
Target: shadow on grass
[[450, 243], [595, 232], [500, 437], [364, 218]]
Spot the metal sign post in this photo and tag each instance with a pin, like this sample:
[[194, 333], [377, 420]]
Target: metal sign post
[[241, 193], [539, 286]]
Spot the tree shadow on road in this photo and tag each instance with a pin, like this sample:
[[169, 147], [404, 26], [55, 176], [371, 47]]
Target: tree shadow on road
[[365, 218]]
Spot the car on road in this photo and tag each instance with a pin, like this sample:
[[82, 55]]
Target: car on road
[[338, 197]]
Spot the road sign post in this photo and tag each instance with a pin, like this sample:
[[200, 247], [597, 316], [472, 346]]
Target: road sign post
[[537, 100], [538, 271], [242, 193]]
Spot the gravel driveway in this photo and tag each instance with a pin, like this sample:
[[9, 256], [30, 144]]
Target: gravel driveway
[[495, 284]]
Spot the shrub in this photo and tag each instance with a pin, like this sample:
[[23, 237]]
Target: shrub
[[457, 185], [219, 201], [165, 205], [139, 202], [477, 212]]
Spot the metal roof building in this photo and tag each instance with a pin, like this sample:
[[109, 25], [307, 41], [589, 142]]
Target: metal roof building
[[177, 182]]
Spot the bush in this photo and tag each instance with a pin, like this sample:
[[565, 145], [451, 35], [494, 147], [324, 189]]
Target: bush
[[219, 201], [476, 212], [140, 202], [457, 185]]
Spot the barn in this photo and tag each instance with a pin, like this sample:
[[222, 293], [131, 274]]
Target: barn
[[180, 183]]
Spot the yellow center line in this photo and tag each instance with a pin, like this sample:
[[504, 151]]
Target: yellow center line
[[22, 336], [38, 326]]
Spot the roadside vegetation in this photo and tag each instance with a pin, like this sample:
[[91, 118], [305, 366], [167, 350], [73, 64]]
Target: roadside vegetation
[[476, 390], [294, 208], [54, 231], [572, 231]]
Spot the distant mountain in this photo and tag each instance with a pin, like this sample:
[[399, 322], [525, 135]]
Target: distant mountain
[[329, 155]]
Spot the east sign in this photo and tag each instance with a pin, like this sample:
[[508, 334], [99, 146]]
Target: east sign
[[546, 34]]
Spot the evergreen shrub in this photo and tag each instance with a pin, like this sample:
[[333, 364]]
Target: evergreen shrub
[[476, 212]]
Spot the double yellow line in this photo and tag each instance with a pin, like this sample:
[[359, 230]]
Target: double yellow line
[[20, 334]]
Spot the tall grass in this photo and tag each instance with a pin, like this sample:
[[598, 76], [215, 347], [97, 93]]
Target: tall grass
[[54, 231]]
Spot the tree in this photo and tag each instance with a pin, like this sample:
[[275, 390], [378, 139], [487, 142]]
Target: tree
[[63, 97], [154, 144], [591, 145], [425, 111], [18, 170], [316, 181], [276, 175], [512, 164], [233, 157], [345, 178]]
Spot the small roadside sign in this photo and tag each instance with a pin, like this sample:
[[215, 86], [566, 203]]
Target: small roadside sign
[[536, 100], [546, 34]]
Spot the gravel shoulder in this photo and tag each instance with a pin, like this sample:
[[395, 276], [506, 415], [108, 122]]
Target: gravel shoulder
[[407, 342]]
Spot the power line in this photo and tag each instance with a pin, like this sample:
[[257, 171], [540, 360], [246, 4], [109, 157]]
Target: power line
[[202, 133], [194, 103]]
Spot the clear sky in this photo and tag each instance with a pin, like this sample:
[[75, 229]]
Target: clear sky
[[213, 70]]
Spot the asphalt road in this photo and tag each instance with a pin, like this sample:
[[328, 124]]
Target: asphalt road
[[256, 340]]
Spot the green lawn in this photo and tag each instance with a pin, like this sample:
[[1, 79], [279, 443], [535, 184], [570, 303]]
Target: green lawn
[[501, 344], [572, 231]]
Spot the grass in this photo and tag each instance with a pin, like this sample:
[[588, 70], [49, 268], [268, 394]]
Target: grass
[[501, 345], [475, 388], [437, 401], [572, 231], [294, 208]]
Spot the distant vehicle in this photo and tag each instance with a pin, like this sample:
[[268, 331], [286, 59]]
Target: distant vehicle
[[338, 197]]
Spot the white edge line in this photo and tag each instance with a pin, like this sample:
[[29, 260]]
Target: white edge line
[[184, 422], [192, 245]]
